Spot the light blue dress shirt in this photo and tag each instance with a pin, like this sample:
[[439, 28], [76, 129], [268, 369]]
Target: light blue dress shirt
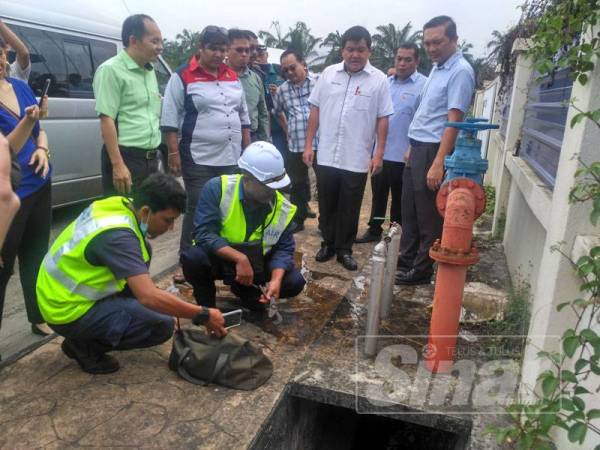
[[405, 96], [449, 86]]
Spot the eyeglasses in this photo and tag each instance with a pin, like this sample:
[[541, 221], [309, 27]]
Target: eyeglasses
[[242, 49]]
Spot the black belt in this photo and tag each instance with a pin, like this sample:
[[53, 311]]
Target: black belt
[[135, 151]]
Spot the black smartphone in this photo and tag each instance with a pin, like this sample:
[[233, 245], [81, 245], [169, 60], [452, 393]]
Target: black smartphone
[[44, 91]]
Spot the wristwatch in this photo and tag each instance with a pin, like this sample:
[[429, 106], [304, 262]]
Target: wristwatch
[[202, 317]]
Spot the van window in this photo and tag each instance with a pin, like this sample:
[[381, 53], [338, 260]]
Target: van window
[[69, 61], [80, 69], [47, 60], [101, 51]]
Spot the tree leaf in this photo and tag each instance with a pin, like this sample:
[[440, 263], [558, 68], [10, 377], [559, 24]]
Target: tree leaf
[[580, 364], [577, 432], [589, 335], [568, 376], [579, 403], [581, 390], [549, 385], [593, 414], [570, 344]]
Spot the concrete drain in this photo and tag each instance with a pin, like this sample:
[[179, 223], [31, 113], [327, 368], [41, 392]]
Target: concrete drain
[[301, 424]]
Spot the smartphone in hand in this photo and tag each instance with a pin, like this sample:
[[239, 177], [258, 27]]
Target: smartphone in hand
[[44, 91], [233, 318]]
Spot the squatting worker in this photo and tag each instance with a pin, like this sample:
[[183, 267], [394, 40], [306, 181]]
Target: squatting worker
[[242, 233], [128, 103], [446, 97], [94, 287], [205, 106], [350, 105]]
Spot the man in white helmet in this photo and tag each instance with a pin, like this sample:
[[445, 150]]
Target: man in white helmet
[[242, 235]]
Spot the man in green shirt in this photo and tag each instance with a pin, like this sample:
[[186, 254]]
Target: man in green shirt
[[128, 103], [238, 59]]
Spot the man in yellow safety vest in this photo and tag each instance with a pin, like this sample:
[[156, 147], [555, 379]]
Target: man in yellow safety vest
[[94, 288], [242, 234]]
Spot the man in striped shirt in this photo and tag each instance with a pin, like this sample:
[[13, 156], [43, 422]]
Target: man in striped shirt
[[291, 106]]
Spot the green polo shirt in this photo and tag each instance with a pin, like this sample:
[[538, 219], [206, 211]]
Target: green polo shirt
[[255, 100], [129, 95]]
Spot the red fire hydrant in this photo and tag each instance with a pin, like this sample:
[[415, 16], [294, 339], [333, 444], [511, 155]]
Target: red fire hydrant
[[461, 200]]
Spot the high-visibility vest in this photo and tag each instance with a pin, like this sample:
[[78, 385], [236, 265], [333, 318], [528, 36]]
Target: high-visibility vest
[[233, 221], [67, 284]]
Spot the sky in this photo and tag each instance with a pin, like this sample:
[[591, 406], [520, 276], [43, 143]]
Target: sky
[[475, 19]]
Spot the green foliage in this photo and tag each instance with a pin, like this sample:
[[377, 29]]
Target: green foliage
[[297, 37], [180, 50], [561, 398]]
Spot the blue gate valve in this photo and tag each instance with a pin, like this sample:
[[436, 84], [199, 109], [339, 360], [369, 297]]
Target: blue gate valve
[[466, 160]]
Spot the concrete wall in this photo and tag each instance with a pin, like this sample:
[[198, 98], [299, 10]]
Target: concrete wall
[[537, 219]]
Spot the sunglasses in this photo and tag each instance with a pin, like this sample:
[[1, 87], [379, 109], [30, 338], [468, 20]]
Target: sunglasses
[[242, 50]]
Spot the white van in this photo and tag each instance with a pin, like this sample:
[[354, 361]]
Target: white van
[[68, 41]]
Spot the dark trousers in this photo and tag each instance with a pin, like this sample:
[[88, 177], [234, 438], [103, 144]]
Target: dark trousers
[[340, 197], [194, 179], [421, 221], [388, 180], [117, 323], [202, 269], [141, 163], [28, 238], [300, 183]]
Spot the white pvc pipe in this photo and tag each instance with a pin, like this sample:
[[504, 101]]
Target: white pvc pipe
[[373, 316], [393, 248]]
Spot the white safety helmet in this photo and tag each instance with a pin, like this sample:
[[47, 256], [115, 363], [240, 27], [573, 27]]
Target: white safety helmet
[[265, 163]]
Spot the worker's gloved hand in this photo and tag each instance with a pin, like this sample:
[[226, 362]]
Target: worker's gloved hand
[[216, 323], [244, 274]]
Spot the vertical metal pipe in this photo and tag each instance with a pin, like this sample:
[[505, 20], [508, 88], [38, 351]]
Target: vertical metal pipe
[[378, 263], [391, 257]]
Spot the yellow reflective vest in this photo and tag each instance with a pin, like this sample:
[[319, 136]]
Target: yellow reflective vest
[[233, 221], [67, 284]]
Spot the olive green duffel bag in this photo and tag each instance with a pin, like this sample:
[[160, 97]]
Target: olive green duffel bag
[[231, 361]]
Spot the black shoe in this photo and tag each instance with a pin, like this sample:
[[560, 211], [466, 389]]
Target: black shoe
[[347, 261], [368, 237], [310, 213], [412, 278], [94, 364], [325, 253]]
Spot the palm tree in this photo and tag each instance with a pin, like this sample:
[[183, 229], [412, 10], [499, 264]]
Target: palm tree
[[387, 41], [180, 50], [300, 39], [334, 42], [277, 40]]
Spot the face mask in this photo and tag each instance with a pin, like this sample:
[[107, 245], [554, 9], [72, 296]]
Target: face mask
[[144, 226]]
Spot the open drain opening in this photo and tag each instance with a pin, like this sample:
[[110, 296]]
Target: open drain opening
[[301, 424]]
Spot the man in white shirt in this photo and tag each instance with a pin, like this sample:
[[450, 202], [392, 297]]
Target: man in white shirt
[[21, 67], [350, 106]]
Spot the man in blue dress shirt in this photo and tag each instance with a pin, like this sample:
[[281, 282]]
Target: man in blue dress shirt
[[405, 88], [446, 97]]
